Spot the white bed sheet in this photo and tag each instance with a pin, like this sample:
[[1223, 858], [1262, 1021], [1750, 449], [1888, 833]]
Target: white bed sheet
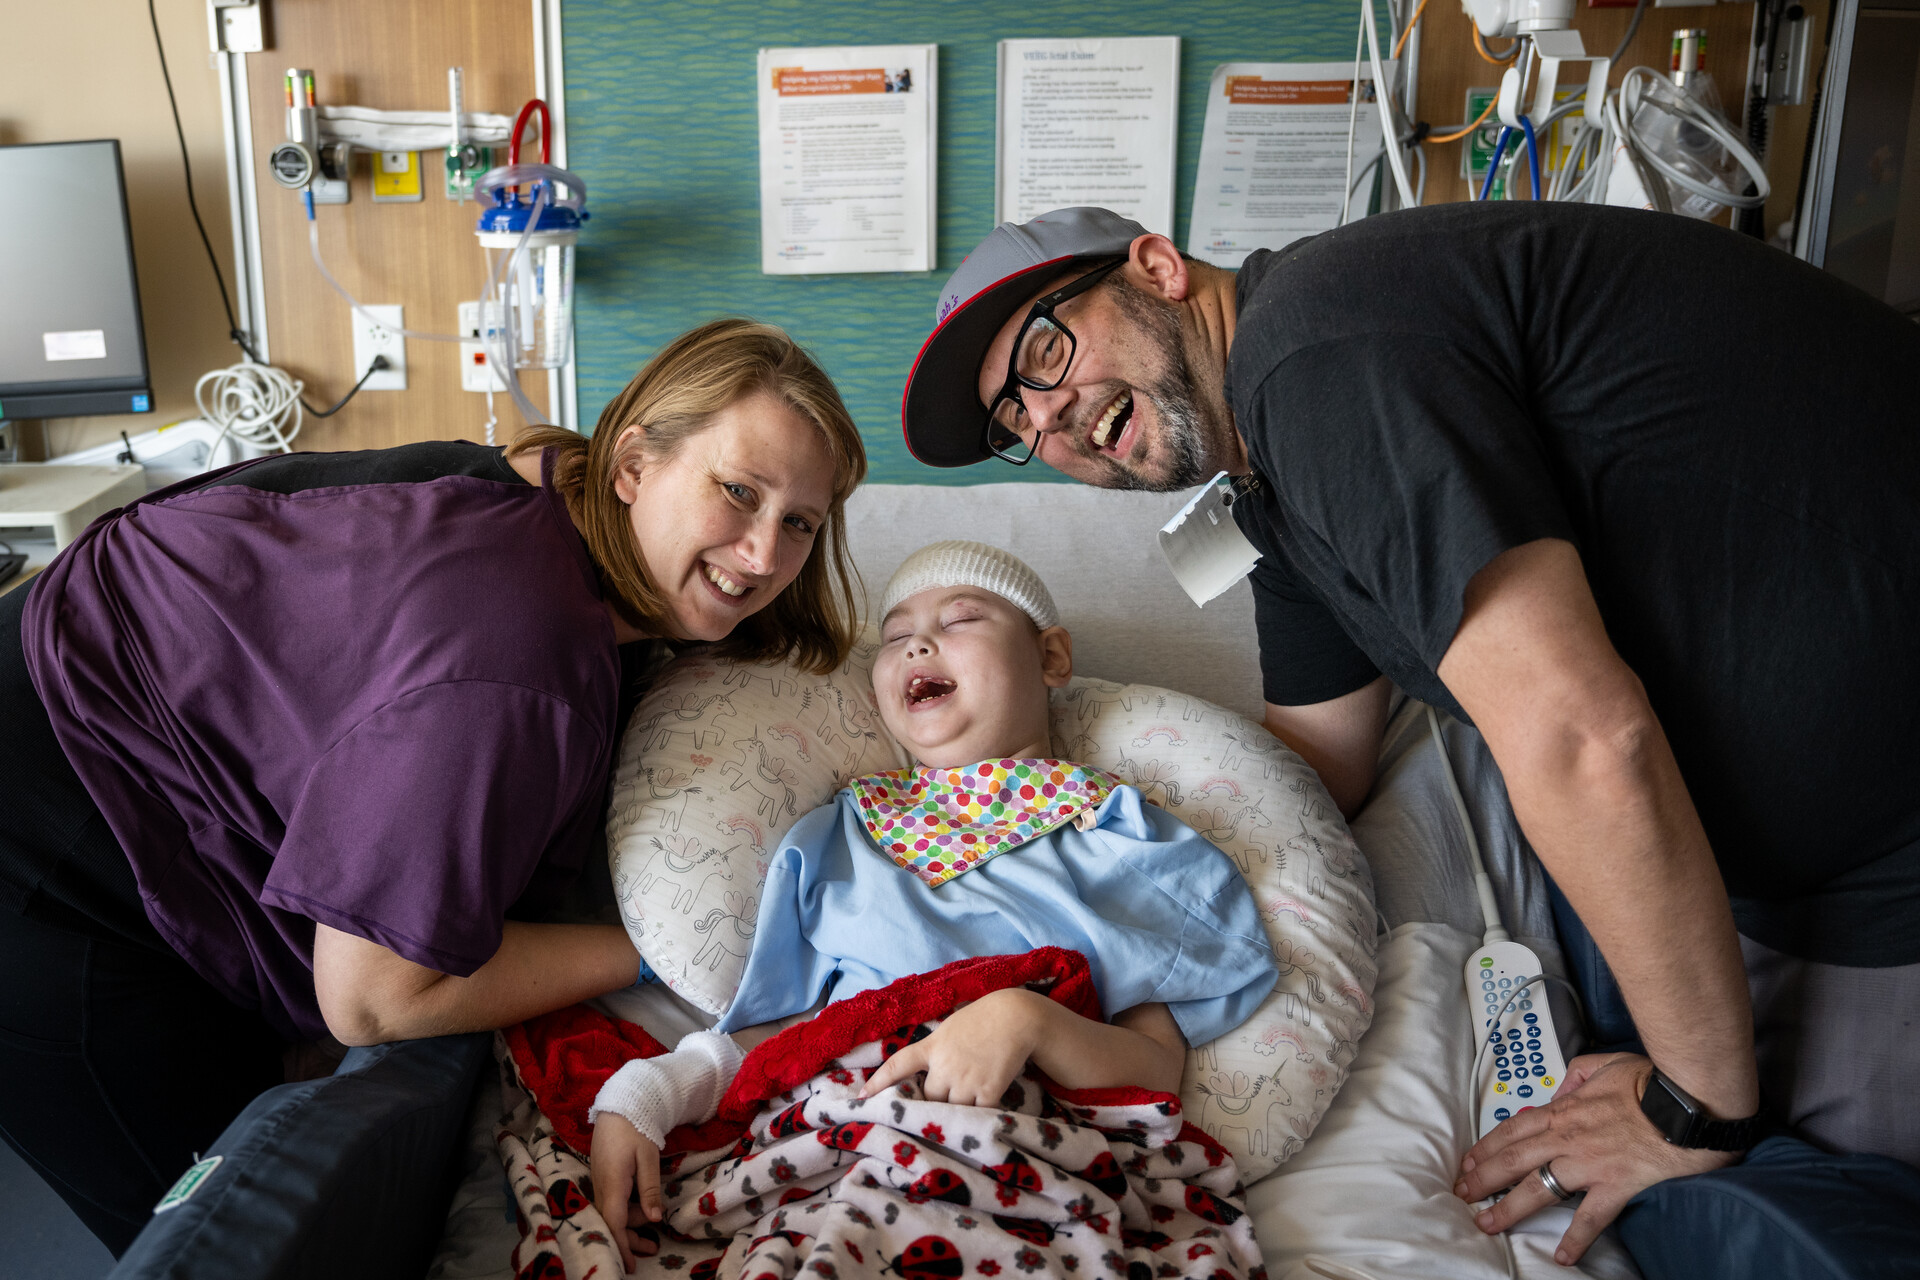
[[1372, 1189]]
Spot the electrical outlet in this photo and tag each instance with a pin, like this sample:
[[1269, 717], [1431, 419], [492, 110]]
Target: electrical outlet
[[477, 371], [372, 339]]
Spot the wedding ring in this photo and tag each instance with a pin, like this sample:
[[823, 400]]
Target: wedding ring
[[1551, 1183]]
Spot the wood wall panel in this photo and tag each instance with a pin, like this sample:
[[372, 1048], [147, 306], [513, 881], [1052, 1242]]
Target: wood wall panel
[[1449, 66], [391, 56]]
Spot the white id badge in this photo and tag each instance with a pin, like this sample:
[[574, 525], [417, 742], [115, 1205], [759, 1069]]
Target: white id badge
[[1204, 546]]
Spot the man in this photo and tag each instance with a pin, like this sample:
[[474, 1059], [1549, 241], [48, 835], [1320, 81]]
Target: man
[[1640, 499]]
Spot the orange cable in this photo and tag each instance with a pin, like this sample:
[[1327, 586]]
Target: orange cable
[[1402, 42], [1491, 104]]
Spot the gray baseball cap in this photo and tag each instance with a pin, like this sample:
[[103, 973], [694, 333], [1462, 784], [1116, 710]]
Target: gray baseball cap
[[941, 414]]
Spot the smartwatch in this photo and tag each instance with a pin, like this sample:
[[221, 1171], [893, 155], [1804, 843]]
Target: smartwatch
[[1682, 1121]]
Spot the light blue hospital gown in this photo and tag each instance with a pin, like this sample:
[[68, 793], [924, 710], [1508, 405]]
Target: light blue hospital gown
[[1161, 915]]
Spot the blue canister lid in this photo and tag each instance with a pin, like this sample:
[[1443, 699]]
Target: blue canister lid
[[510, 215]]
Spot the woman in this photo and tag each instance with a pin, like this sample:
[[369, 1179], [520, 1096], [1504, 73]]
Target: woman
[[286, 742]]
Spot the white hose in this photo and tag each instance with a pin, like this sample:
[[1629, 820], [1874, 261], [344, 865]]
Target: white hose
[[1389, 131], [313, 243], [1675, 103]]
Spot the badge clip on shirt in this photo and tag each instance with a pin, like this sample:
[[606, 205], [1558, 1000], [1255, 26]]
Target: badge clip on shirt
[[1203, 544], [938, 823]]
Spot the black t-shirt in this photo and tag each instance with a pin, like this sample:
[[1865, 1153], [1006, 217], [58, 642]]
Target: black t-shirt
[[1729, 437]]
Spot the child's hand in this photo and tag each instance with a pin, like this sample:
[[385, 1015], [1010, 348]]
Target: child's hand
[[974, 1055], [623, 1159]]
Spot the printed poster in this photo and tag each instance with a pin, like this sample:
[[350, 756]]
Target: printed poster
[[847, 168], [1088, 122], [1273, 155]]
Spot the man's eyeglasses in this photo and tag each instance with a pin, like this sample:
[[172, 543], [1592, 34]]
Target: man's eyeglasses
[[1042, 352]]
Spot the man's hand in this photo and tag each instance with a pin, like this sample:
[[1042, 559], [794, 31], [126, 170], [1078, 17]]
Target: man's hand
[[971, 1057], [624, 1159], [1597, 1141]]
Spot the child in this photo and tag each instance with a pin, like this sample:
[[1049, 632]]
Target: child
[[989, 847]]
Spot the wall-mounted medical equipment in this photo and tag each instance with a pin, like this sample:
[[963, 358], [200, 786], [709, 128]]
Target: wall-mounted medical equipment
[[70, 335], [1659, 141], [528, 232], [533, 222], [1551, 43], [304, 162]]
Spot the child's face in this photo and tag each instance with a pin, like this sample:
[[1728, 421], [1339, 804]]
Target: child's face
[[963, 676]]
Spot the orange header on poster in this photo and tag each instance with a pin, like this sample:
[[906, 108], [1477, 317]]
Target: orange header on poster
[[1254, 91], [789, 81]]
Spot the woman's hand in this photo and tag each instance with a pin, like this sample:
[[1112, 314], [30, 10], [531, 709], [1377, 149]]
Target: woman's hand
[[974, 1055], [624, 1159], [1597, 1141]]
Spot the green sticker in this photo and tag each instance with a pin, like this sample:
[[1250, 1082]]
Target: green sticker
[[189, 1182], [1486, 962]]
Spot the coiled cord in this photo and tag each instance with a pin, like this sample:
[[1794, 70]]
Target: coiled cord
[[256, 403]]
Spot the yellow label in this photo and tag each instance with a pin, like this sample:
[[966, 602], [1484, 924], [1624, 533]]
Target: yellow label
[[393, 179]]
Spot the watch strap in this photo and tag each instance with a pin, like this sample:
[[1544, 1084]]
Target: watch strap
[[1724, 1135], [1683, 1122]]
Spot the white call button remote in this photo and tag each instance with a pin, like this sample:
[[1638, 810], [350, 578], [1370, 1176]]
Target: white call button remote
[[1522, 1066]]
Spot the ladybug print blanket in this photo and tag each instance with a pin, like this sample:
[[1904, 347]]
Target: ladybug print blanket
[[797, 1178]]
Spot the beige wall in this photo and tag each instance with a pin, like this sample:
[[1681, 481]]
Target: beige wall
[[87, 69]]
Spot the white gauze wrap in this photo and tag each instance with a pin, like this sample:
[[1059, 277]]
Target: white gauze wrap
[[658, 1095]]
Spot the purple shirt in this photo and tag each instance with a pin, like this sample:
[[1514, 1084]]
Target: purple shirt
[[345, 688]]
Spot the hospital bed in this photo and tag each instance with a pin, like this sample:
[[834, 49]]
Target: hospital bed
[[388, 1167]]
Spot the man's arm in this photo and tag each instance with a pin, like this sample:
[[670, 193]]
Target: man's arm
[[369, 995], [1598, 793], [1339, 738]]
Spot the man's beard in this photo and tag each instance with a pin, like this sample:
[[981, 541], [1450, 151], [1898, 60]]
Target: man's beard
[[1183, 433]]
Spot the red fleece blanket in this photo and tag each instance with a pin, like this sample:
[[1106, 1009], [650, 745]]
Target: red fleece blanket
[[797, 1174]]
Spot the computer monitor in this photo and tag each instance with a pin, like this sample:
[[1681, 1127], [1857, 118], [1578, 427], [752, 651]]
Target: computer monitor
[[1860, 214], [70, 336]]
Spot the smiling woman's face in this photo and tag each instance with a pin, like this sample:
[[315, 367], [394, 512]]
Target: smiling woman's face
[[728, 521]]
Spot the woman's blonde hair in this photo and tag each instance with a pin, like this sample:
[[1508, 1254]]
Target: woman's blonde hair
[[673, 399]]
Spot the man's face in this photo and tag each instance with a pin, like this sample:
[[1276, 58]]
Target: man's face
[[1129, 414]]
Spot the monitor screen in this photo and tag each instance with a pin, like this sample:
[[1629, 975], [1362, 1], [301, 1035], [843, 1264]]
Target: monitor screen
[[70, 337]]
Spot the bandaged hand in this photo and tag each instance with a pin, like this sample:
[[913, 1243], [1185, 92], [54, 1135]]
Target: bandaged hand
[[636, 1108], [975, 1054]]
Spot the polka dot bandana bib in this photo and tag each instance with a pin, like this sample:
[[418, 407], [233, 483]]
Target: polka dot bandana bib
[[938, 823]]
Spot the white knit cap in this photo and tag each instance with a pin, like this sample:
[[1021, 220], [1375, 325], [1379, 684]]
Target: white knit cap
[[972, 564]]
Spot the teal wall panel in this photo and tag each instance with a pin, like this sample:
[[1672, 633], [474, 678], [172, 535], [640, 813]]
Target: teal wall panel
[[661, 126]]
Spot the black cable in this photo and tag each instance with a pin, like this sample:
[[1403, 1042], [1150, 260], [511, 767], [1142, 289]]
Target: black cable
[[234, 331], [226, 303], [379, 363]]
